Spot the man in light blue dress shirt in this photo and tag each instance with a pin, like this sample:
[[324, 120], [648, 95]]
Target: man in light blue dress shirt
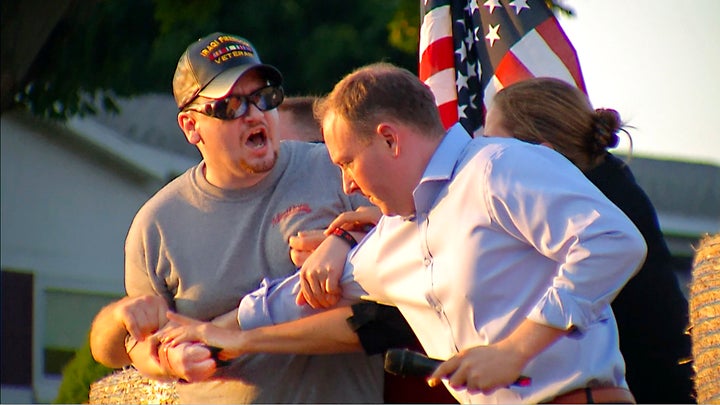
[[501, 255]]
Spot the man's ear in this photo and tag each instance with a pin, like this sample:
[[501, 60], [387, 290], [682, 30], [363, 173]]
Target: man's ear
[[188, 125], [389, 135]]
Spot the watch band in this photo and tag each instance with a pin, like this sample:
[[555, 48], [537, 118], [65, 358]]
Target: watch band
[[346, 236]]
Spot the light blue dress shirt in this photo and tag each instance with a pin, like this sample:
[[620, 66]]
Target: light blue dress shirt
[[503, 231]]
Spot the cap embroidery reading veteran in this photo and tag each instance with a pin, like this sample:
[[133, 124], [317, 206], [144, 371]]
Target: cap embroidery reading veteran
[[211, 66]]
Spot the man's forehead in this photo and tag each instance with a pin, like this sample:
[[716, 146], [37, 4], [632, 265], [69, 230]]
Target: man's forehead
[[333, 128], [326, 128]]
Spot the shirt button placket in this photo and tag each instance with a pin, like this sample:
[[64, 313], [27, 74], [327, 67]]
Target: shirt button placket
[[433, 302]]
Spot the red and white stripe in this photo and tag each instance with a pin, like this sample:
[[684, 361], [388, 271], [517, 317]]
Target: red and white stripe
[[544, 51], [437, 61]]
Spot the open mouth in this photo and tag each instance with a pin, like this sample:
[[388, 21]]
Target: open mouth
[[257, 139]]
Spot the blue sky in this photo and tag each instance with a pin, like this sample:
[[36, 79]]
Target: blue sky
[[658, 64]]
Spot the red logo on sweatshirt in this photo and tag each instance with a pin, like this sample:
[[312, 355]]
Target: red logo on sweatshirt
[[292, 210]]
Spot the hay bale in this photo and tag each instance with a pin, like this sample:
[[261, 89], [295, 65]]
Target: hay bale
[[128, 386], [704, 303]]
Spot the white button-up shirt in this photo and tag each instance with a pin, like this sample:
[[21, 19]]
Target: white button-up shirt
[[503, 231]]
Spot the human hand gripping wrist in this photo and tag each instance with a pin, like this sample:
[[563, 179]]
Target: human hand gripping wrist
[[320, 274], [141, 316], [145, 357], [221, 343], [187, 361], [183, 352], [138, 318]]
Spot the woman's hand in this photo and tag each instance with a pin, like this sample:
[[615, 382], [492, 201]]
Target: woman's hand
[[182, 329]]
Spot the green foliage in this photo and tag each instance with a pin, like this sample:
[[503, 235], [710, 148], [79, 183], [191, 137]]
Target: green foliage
[[106, 48], [78, 374], [103, 49], [85, 63], [405, 27]]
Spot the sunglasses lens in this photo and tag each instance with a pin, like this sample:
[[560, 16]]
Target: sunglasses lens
[[208, 109], [268, 98], [235, 107]]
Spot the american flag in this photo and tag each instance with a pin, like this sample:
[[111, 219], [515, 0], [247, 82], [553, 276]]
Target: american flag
[[470, 49]]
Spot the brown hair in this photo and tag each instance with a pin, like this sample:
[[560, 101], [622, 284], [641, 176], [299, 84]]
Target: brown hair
[[550, 110], [301, 108], [382, 91]]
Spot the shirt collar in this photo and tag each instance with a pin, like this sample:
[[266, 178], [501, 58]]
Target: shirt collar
[[441, 167], [443, 161]]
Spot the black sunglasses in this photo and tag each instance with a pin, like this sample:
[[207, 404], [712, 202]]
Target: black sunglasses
[[233, 107]]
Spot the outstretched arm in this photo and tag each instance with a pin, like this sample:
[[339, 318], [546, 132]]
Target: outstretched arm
[[323, 333], [122, 334]]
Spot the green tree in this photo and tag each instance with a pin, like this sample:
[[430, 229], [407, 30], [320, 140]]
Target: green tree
[[75, 56], [105, 48], [77, 375]]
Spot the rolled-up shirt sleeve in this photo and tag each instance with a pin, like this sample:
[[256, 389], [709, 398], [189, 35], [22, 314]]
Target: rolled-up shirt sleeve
[[593, 273], [567, 219]]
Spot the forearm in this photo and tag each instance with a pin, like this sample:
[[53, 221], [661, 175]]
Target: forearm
[[107, 339], [144, 356], [138, 316], [530, 339], [227, 320], [500, 364], [324, 333], [168, 362]]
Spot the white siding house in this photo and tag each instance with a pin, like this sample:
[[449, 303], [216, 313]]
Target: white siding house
[[68, 195]]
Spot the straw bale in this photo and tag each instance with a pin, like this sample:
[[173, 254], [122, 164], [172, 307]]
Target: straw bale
[[128, 386], [704, 294]]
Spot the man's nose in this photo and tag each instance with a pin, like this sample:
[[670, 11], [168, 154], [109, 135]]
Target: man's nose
[[349, 185]]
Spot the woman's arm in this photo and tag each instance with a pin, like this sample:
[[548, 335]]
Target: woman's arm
[[323, 333]]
